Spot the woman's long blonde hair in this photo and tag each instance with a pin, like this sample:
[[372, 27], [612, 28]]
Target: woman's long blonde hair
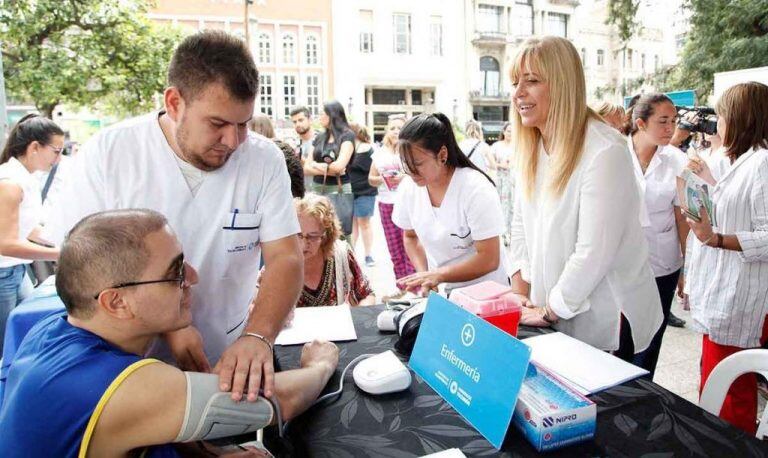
[[556, 61]]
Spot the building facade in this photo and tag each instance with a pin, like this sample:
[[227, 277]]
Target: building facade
[[398, 56], [290, 41]]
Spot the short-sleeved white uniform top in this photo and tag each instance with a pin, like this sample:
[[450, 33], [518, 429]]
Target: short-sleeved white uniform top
[[470, 211]]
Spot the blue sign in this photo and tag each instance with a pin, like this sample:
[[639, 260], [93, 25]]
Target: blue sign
[[679, 98], [476, 367]]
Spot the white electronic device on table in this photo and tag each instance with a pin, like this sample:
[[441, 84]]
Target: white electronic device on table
[[381, 374]]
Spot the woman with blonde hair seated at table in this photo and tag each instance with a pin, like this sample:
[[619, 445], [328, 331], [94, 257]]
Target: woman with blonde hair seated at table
[[579, 252], [332, 276]]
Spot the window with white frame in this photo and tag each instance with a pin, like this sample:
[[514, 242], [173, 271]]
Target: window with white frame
[[600, 57], [655, 62], [289, 94], [265, 48], [313, 52], [401, 26], [366, 31], [313, 94], [436, 35], [557, 24], [629, 58], [521, 20], [289, 49], [642, 62], [489, 18], [265, 94], [583, 57], [489, 71]]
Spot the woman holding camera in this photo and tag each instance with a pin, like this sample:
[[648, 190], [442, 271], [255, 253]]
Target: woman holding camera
[[727, 272], [387, 173], [657, 166], [579, 254], [332, 152]]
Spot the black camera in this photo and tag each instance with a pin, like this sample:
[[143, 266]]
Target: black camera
[[705, 120], [328, 156]]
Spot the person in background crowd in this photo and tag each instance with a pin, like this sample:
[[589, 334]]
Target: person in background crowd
[[34, 144], [80, 384], [503, 153], [727, 271], [295, 170], [365, 194], [302, 124], [448, 209], [226, 193], [475, 148], [331, 154], [332, 276], [579, 255], [387, 173], [612, 114], [657, 166], [262, 124]]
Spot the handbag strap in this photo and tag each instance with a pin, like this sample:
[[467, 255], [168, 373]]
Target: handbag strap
[[472, 151]]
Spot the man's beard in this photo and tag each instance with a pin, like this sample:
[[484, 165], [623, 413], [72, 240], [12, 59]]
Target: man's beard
[[189, 155], [302, 132]]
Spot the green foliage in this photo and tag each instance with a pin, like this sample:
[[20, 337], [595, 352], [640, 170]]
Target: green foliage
[[84, 53], [725, 35], [622, 13]]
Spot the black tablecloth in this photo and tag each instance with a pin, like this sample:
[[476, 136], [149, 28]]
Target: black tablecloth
[[638, 418]]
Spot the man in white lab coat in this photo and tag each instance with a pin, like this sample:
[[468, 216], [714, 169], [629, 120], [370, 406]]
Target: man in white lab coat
[[226, 193]]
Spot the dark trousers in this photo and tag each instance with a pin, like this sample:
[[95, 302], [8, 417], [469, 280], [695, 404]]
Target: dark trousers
[[647, 359]]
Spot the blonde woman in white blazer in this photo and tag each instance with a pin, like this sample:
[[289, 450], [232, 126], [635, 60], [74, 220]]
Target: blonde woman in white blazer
[[727, 271], [579, 253]]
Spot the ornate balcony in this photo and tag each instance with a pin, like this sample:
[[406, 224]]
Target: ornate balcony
[[479, 96], [489, 38]]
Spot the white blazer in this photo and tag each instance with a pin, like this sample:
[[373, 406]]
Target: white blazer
[[584, 252]]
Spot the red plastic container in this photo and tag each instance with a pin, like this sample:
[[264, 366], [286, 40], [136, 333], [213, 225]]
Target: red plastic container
[[491, 301]]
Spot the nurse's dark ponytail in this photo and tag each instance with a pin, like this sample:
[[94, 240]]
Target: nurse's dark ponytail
[[30, 128], [431, 132]]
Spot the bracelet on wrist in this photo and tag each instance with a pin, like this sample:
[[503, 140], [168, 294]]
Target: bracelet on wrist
[[260, 337]]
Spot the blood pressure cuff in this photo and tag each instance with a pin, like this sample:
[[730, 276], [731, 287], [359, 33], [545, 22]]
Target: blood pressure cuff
[[211, 413]]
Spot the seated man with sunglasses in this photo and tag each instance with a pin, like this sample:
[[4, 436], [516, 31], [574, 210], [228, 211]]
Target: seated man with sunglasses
[[79, 384]]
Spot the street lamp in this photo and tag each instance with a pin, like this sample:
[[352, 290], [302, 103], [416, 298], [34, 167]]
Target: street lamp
[[349, 107], [455, 110]]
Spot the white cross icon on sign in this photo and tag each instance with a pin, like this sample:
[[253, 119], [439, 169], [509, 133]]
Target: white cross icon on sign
[[467, 335]]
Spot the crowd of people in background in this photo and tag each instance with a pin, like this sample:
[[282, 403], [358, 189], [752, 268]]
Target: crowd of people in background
[[577, 209]]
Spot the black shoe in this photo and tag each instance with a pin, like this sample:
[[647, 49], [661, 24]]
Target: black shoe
[[675, 321]]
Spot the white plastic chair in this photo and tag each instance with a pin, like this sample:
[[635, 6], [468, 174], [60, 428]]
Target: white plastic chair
[[724, 374]]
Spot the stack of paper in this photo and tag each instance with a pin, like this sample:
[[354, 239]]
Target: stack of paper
[[583, 366], [333, 323]]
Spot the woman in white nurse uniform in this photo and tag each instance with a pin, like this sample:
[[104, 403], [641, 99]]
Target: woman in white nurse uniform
[[577, 246], [448, 209], [657, 166]]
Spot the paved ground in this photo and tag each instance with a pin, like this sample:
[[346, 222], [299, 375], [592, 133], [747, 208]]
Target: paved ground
[[678, 367]]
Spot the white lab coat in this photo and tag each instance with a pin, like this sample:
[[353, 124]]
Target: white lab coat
[[131, 165], [584, 253]]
